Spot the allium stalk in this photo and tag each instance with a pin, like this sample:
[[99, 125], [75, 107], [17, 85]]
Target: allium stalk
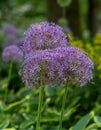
[[39, 108], [8, 79], [11, 54], [63, 106]]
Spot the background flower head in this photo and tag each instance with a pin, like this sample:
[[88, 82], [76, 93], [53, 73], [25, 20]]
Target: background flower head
[[10, 29], [10, 39], [12, 53]]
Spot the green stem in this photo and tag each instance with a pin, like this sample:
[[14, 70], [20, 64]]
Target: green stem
[[8, 80], [63, 107], [64, 12], [39, 108]]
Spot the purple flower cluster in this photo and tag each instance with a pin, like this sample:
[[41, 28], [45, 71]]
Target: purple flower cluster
[[44, 36], [20, 43], [59, 64], [12, 53], [9, 40], [10, 35], [10, 29]]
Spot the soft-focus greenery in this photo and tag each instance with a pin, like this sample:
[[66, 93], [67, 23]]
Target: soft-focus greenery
[[19, 112]]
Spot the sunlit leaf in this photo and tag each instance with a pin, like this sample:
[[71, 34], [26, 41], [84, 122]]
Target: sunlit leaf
[[97, 119], [24, 92], [92, 126], [4, 125], [10, 129], [27, 124]]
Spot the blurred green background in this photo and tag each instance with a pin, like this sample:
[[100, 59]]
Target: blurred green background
[[82, 16]]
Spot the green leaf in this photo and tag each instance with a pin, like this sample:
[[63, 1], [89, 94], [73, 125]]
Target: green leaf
[[24, 92], [50, 91], [4, 125], [92, 126], [81, 124], [2, 105], [27, 124], [48, 119], [10, 129], [52, 113], [68, 112], [3, 83], [64, 3], [97, 120]]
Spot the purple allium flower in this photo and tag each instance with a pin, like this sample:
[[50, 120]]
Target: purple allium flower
[[9, 40], [12, 53], [44, 36], [10, 29], [60, 64], [20, 43]]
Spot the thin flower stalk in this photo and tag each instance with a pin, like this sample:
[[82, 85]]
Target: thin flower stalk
[[63, 106], [39, 108], [8, 80]]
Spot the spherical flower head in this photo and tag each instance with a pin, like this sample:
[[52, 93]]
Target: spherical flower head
[[61, 65], [9, 40], [44, 36], [12, 53], [10, 29]]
